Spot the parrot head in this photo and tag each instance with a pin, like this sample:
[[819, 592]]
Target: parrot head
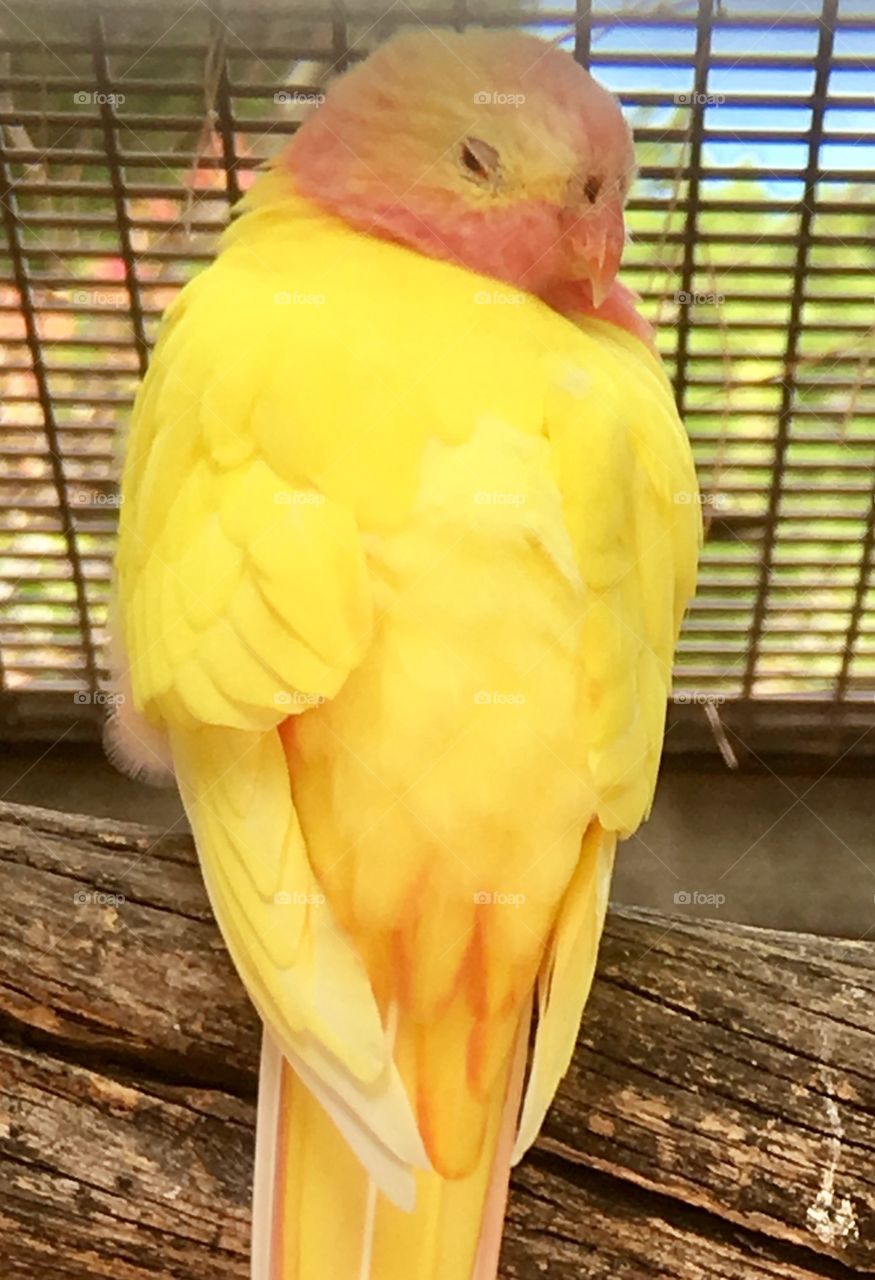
[[494, 150]]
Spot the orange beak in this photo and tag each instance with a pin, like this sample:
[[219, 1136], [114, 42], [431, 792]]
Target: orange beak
[[594, 241]]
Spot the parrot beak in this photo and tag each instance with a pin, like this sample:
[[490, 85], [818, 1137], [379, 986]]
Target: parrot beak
[[595, 237]]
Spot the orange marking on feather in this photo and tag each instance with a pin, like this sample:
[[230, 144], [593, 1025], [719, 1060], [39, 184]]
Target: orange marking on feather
[[475, 969], [476, 1054], [401, 976]]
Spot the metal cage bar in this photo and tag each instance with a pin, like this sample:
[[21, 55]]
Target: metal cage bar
[[12, 222], [807, 209]]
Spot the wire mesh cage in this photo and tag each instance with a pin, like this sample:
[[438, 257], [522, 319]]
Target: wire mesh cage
[[126, 135]]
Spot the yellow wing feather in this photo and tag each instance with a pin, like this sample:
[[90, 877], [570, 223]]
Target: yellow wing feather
[[626, 472]]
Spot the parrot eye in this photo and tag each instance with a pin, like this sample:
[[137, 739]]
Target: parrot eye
[[479, 158], [591, 189]]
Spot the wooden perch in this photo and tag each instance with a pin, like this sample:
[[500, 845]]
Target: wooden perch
[[718, 1120]]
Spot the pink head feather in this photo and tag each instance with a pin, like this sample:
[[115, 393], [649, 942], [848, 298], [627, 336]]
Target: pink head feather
[[490, 149]]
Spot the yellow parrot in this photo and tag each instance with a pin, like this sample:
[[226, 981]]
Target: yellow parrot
[[408, 526]]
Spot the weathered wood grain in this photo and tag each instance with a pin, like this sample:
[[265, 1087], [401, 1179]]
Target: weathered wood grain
[[718, 1122]]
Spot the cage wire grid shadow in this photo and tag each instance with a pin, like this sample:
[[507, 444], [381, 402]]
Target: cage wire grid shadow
[[127, 134]]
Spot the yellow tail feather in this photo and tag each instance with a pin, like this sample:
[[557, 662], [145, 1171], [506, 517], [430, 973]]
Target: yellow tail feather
[[318, 1215]]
